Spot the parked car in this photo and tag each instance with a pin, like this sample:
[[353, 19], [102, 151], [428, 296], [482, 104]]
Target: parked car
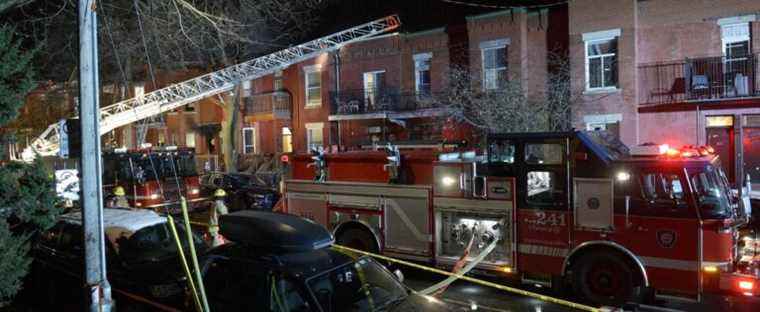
[[141, 258], [279, 262], [244, 191]]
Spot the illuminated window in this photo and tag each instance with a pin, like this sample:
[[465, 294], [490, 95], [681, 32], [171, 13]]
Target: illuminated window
[[314, 135], [494, 58], [249, 140], [313, 82], [601, 59], [287, 140], [422, 74]]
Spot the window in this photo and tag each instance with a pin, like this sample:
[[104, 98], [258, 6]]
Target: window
[[737, 66], [247, 88], [543, 154], [374, 82], [249, 140], [544, 188], [494, 55], [287, 140], [601, 59], [422, 74], [278, 80], [501, 152], [313, 85], [314, 135], [190, 139]]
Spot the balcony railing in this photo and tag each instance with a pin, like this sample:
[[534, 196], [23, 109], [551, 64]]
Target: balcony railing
[[277, 103], [373, 101], [699, 79]]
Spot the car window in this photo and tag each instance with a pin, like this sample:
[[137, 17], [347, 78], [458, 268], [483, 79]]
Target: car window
[[543, 154], [232, 286], [71, 240], [544, 189], [285, 297]]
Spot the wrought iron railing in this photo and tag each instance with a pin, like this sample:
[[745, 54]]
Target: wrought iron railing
[[699, 79], [352, 102], [278, 102]]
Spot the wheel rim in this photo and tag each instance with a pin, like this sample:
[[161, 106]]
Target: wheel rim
[[605, 279]]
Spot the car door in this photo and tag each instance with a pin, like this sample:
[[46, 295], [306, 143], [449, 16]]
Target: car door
[[663, 228]]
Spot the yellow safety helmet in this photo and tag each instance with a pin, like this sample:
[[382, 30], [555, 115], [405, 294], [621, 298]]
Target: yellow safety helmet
[[220, 193], [118, 191]]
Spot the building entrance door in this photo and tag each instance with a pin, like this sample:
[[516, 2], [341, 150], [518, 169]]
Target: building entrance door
[[720, 135]]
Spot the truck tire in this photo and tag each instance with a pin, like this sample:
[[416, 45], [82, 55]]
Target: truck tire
[[604, 278], [358, 239]]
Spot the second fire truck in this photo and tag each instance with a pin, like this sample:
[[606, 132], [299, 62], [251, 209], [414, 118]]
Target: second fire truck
[[575, 209]]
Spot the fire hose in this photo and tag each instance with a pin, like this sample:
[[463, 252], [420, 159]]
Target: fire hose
[[441, 286]]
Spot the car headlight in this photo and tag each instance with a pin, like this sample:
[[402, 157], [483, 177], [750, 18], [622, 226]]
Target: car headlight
[[193, 191]]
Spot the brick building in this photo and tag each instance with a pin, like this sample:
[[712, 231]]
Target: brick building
[[384, 89], [671, 71]]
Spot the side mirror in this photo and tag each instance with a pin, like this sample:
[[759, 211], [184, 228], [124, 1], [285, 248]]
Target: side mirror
[[399, 275]]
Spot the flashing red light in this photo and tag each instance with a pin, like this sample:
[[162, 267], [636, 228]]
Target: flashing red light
[[664, 148], [710, 149], [672, 152], [746, 285], [687, 154], [284, 158]]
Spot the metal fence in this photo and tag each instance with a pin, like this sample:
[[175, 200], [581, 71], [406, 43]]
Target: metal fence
[[699, 79], [270, 102], [368, 101]]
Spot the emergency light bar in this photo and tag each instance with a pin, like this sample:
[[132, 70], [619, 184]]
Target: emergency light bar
[[687, 151]]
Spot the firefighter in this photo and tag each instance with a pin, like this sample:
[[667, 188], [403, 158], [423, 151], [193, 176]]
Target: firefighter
[[119, 198], [219, 209]]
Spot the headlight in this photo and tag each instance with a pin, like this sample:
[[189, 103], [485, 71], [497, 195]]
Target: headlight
[[448, 181], [193, 191], [155, 196]]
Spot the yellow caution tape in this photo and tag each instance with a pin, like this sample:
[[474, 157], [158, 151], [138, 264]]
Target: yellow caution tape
[[479, 281]]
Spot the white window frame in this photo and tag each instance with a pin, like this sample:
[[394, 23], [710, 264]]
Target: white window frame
[[601, 121], [309, 70], [190, 139], [419, 65], [286, 132], [367, 92], [247, 88], [734, 30], [593, 38], [314, 126], [252, 145], [487, 46]]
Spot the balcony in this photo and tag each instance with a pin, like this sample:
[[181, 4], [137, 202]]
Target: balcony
[[382, 103], [699, 80], [268, 106]]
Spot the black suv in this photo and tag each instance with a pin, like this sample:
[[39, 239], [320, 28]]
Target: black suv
[[282, 262], [141, 259]]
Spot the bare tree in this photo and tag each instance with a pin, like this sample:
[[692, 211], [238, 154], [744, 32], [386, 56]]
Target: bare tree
[[141, 40], [509, 108]]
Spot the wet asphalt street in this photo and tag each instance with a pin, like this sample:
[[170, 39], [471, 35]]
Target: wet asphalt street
[[464, 294]]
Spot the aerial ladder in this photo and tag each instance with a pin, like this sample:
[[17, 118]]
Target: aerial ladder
[[176, 95]]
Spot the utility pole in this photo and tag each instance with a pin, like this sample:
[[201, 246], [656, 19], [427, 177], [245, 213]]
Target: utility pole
[[98, 289]]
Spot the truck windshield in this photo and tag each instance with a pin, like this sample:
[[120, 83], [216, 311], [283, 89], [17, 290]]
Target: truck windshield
[[359, 286], [711, 192]]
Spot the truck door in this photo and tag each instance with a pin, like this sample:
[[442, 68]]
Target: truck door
[[543, 213], [661, 227]]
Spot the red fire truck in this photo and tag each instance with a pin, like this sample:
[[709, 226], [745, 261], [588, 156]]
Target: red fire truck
[[153, 178], [576, 209]]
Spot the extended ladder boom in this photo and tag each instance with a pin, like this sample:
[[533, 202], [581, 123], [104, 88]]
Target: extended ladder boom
[[182, 93]]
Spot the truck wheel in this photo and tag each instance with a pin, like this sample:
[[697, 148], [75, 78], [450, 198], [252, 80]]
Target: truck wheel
[[604, 278], [358, 239]]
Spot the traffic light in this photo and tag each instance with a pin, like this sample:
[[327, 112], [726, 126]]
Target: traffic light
[[70, 141]]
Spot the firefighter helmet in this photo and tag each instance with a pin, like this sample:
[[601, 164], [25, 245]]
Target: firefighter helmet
[[220, 193], [118, 191]]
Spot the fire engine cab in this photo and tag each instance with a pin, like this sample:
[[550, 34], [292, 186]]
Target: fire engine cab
[[572, 209], [153, 178]]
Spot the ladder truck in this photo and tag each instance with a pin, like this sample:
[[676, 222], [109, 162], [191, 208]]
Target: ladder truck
[[176, 95], [573, 210]]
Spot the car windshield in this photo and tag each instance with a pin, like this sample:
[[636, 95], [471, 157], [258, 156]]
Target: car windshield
[[358, 286], [152, 243], [712, 193]]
